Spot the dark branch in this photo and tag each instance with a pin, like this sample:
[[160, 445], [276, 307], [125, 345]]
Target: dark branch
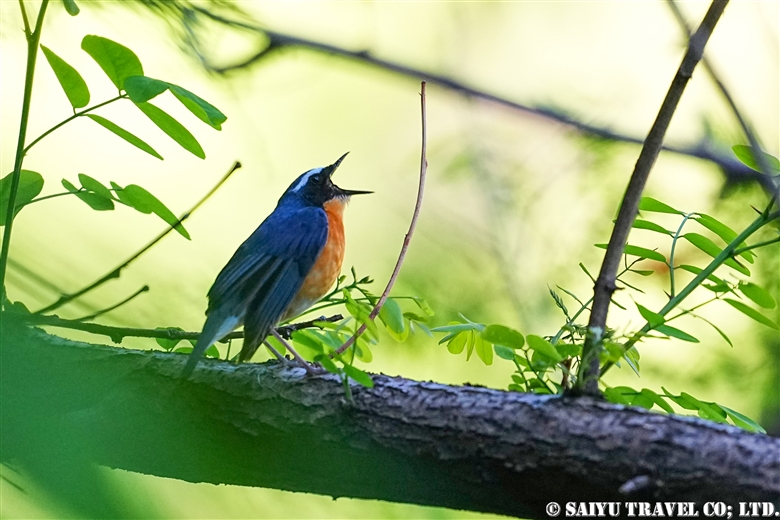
[[706, 149], [605, 283], [403, 441], [117, 334]]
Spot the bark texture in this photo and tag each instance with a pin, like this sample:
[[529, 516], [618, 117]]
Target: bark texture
[[403, 441]]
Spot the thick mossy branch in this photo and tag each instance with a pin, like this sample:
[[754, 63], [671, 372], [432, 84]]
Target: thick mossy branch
[[402, 441]]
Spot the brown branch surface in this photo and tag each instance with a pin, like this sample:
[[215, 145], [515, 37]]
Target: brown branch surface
[[605, 283], [404, 441]]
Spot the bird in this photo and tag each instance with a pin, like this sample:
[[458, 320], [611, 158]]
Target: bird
[[285, 266]]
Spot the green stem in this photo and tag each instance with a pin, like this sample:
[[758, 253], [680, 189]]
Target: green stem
[[24, 18], [33, 39], [671, 253], [71, 118], [47, 197], [741, 250], [692, 309], [716, 262]]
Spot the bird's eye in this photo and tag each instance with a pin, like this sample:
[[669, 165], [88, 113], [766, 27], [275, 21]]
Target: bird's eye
[[316, 179]]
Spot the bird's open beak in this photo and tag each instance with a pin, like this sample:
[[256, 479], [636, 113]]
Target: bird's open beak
[[345, 193]]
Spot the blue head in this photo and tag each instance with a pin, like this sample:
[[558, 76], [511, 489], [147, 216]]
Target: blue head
[[315, 187]]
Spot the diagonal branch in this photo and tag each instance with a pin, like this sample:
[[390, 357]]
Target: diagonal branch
[[66, 298], [408, 237], [706, 149], [587, 381], [746, 127]]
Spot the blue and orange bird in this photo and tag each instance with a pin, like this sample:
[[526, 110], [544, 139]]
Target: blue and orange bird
[[290, 261]]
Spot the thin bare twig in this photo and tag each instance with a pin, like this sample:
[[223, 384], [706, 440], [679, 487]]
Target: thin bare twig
[[408, 237], [118, 333], [587, 381], [92, 316], [746, 127], [65, 298]]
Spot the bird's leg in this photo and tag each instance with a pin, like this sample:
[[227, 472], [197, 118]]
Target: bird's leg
[[275, 352], [295, 354]]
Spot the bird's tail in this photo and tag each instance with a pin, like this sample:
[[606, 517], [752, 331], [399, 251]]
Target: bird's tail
[[215, 328]]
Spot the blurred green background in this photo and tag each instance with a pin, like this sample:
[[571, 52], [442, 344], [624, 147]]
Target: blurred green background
[[513, 202]]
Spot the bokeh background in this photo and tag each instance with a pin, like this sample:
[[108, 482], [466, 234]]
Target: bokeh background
[[513, 202]]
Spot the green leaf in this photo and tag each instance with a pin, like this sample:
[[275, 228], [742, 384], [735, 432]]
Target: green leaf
[[501, 335], [363, 352], [620, 394], [90, 184], [327, 364], [642, 272], [173, 128], [361, 312], [684, 400], [544, 347], [654, 319], [124, 134], [165, 343], [142, 88], [651, 226], [752, 313], [758, 294], [651, 204], [359, 376], [70, 7], [722, 334], [457, 343], [676, 333], [470, 340], [459, 327], [723, 231], [747, 155], [716, 226], [641, 252], [743, 421], [70, 80], [93, 200], [570, 350], [116, 60], [308, 339], [138, 198], [212, 352], [504, 352], [30, 185], [203, 110], [696, 270], [709, 247], [392, 316], [657, 399], [484, 350], [423, 305]]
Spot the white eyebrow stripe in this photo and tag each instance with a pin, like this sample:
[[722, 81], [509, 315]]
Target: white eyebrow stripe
[[305, 178]]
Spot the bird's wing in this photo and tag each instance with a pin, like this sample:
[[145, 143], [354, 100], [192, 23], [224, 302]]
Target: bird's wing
[[265, 273]]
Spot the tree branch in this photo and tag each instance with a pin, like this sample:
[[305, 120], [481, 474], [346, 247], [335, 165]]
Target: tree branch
[[117, 334], [587, 381], [408, 237], [706, 149], [403, 441]]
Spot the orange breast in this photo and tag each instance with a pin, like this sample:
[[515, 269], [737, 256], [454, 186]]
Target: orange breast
[[327, 266]]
